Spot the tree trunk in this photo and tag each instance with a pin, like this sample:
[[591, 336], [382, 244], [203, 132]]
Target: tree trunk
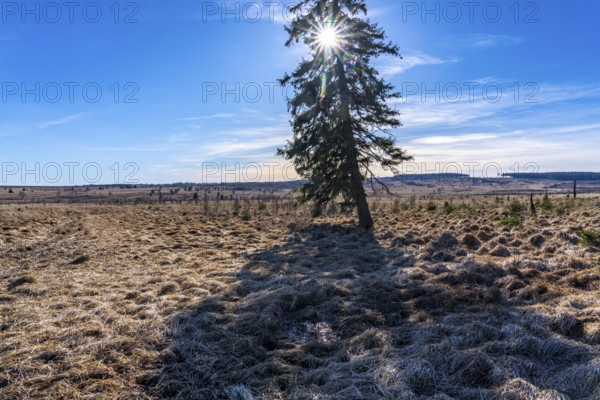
[[365, 220]]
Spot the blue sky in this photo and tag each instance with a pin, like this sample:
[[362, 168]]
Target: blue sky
[[188, 88]]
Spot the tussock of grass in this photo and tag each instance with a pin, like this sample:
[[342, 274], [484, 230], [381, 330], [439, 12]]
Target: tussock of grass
[[22, 280], [171, 303], [80, 260]]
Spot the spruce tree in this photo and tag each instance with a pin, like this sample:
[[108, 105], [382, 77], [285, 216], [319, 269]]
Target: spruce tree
[[340, 112]]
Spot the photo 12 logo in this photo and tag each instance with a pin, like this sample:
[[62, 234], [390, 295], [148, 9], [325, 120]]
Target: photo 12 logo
[[71, 92], [470, 91], [248, 12], [51, 12], [465, 169], [250, 92], [453, 12], [70, 172]]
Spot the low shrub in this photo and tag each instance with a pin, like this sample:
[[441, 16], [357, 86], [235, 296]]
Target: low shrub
[[589, 238], [515, 215]]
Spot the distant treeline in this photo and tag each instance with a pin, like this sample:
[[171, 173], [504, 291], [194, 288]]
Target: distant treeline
[[429, 177], [557, 176]]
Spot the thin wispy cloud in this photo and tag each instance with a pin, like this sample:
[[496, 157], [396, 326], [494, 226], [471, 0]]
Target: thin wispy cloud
[[210, 116], [391, 66], [61, 121], [239, 148], [433, 110], [184, 137], [377, 12], [481, 41], [244, 113], [546, 133], [510, 149], [453, 139], [133, 149], [549, 93], [241, 143], [261, 131]]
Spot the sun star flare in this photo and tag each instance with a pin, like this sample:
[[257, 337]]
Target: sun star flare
[[328, 37]]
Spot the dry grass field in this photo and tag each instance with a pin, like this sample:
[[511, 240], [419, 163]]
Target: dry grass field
[[474, 300]]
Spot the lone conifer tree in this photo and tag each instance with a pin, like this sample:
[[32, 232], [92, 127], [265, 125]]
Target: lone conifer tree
[[340, 115]]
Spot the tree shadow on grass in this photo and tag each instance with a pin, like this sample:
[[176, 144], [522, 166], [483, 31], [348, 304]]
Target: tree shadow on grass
[[334, 314]]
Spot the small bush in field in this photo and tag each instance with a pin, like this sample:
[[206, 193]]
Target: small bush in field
[[516, 208], [547, 203], [431, 207], [246, 215], [515, 215], [511, 220], [468, 210], [565, 206], [262, 206], [448, 208], [589, 238]]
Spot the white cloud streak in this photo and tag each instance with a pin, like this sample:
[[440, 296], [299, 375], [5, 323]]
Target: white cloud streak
[[61, 121], [482, 41], [391, 66]]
